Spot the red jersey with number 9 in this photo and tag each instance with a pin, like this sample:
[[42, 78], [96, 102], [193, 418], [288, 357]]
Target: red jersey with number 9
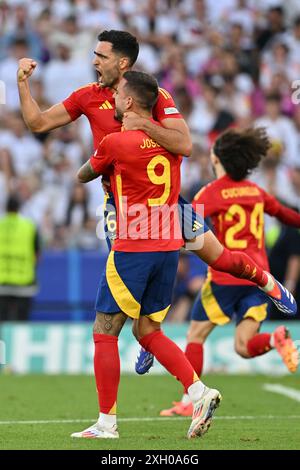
[[145, 181], [237, 211]]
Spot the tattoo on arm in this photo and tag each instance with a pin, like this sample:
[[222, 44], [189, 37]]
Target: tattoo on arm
[[86, 173]]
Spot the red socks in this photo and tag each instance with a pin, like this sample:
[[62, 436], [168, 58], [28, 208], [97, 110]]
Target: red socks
[[107, 371], [259, 344], [194, 354], [240, 265], [170, 356]]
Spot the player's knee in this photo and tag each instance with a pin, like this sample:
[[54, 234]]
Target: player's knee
[[195, 336], [241, 349], [198, 331], [144, 331], [145, 326], [135, 330]]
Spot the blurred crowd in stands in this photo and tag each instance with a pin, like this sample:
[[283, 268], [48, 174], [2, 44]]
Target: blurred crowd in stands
[[226, 63]]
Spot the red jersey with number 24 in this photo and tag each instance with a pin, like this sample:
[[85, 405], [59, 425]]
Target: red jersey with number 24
[[237, 211]]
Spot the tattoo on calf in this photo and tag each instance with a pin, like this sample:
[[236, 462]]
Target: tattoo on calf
[[108, 322]]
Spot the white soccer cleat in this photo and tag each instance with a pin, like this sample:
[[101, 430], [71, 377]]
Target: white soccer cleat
[[97, 432], [203, 412]]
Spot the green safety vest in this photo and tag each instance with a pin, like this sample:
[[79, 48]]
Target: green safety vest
[[17, 251]]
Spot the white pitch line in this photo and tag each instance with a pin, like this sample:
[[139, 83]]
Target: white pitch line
[[289, 392], [134, 420]]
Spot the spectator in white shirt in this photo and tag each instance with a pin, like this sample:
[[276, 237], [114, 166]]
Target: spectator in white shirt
[[25, 151], [292, 40], [81, 41], [279, 127], [79, 72], [8, 70], [278, 61], [98, 16]]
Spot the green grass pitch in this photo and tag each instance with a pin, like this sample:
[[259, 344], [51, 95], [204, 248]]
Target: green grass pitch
[[248, 418]]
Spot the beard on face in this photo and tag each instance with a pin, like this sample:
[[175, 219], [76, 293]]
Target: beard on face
[[119, 115], [214, 171], [110, 79], [99, 77], [104, 82]]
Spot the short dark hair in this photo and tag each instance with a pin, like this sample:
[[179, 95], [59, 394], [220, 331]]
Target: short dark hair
[[144, 87], [19, 40], [273, 97], [277, 9], [241, 151], [122, 42], [13, 203]]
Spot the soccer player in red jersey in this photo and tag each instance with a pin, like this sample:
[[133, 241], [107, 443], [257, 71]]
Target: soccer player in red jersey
[[116, 52], [142, 265], [236, 207]]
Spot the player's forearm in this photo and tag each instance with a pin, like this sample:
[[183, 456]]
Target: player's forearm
[[292, 273], [173, 140], [86, 173], [32, 114], [288, 216]]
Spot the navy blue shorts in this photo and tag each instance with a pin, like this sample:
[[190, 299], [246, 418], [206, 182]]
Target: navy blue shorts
[[192, 224], [222, 303], [138, 284]]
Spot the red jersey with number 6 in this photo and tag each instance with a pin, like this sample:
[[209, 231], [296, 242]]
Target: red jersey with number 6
[[145, 181], [237, 211]]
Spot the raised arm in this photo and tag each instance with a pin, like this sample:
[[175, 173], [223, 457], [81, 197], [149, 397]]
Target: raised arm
[[35, 119], [283, 213], [292, 273]]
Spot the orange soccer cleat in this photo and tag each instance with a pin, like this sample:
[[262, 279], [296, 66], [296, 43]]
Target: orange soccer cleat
[[286, 348], [179, 409]]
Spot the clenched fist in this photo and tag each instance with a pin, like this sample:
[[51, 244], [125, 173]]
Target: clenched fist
[[26, 68]]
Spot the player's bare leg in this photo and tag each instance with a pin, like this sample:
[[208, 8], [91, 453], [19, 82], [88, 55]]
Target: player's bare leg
[[205, 400], [245, 331], [199, 331], [197, 334], [211, 249], [240, 265], [250, 343], [108, 324], [145, 359], [106, 330]]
